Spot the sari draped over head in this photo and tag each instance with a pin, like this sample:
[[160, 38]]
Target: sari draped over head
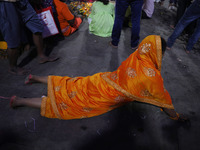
[[138, 78]]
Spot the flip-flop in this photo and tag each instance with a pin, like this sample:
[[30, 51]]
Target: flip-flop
[[28, 78], [11, 100], [47, 59]]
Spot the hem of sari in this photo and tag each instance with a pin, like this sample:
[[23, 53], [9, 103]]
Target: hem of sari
[[52, 98], [159, 51], [135, 98], [43, 106]]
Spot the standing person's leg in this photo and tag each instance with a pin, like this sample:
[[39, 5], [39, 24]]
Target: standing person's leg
[[182, 5], [30, 102], [194, 38], [190, 15], [38, 41], [120, 10], [136, 10], [34, 24], [11, 31]]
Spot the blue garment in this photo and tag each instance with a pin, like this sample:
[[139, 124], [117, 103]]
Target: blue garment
[[14, 16], [191, 14], [11, 25], [29, 16], [120, 10], [173, 1], [47, 3]]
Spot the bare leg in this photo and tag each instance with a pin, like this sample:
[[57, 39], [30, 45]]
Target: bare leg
[[30, 102], [13, 54], [174, 115], [35, 79], [38, 41], [170, 112]]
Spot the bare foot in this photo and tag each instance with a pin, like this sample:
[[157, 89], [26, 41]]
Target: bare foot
[[110, 43], [13, 101], [46, 59], [18, 71]]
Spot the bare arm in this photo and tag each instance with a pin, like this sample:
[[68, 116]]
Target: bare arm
[[174, 115]]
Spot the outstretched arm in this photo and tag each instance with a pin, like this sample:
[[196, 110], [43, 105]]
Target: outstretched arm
[[174, 115]]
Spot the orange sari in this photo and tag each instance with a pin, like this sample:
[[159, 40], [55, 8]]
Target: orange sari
[[137, 79]]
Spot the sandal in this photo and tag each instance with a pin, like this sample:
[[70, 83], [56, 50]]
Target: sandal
[[11, 101], [28, 79]]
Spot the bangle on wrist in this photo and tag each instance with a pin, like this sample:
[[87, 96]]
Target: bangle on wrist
[[175, 118]]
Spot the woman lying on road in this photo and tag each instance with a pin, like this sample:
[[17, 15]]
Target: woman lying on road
[[137, 79]]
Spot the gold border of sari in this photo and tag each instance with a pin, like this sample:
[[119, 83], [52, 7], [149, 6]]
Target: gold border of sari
[[135, 98], [43, 106], [52, 98], [159, 51]]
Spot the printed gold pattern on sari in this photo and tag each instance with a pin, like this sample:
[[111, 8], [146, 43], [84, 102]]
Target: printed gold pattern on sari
[[113, 76], [145, 93], [149, 72], [119, 99], [87, 109], [145, 48], [63, 106], [72, 94], [130, 96], [131, 72], [57, 88]]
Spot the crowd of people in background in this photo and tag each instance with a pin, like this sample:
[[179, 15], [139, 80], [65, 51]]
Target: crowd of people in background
[[19, 18]]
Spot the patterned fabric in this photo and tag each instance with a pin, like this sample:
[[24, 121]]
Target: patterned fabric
[[137, 79]]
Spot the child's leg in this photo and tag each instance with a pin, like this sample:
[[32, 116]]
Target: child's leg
[[34, 79], [30, 102]]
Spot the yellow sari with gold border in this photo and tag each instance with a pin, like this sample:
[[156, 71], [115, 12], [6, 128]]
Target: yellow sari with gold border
[[138, 78]]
